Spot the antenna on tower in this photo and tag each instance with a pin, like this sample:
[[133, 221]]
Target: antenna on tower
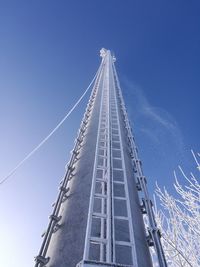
[[103, 52]]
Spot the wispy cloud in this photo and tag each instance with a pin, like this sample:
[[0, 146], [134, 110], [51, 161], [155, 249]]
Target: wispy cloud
[[155, 122]]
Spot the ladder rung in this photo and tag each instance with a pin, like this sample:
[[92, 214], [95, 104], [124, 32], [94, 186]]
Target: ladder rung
[[120, 198], [100, 195], [118, 182], [121, 218], [118, 169], [124, 243], [99, 215], [117, 158], [98, 240], [101, 180]]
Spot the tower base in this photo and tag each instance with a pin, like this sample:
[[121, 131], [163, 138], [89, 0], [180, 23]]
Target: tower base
[[100, 264]]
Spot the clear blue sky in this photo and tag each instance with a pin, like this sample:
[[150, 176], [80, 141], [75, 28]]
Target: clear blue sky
[[49, 52]]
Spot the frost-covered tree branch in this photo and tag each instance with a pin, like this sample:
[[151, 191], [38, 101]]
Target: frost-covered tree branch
[[179, 219]]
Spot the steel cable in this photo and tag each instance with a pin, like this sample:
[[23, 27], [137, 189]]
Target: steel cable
[[51, 133]]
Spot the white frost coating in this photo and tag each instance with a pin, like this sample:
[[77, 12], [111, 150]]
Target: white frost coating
[[179, 221], [103, 52], [195, 158]]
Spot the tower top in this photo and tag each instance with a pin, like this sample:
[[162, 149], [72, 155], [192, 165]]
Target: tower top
[[103, 53]]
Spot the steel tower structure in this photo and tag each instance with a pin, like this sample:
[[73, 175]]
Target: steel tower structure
[[98, 217]]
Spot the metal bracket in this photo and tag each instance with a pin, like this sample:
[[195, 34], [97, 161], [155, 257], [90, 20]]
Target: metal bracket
[[65, 197], [64, 189], [143, 178], [55, 218], [43, 234], [42, 260], [82, 130], [85, 122], [75, 152], [71, 168], [138, 185], [56, 227], [150, 241], [79, 140], [143, 206]]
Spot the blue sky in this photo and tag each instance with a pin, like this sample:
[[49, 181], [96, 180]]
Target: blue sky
[[49, 52]]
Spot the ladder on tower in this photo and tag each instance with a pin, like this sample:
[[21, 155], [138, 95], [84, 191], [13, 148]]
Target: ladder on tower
[[109, 235]]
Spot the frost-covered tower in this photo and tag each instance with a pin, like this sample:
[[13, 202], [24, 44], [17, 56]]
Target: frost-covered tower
[[97, 219]]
